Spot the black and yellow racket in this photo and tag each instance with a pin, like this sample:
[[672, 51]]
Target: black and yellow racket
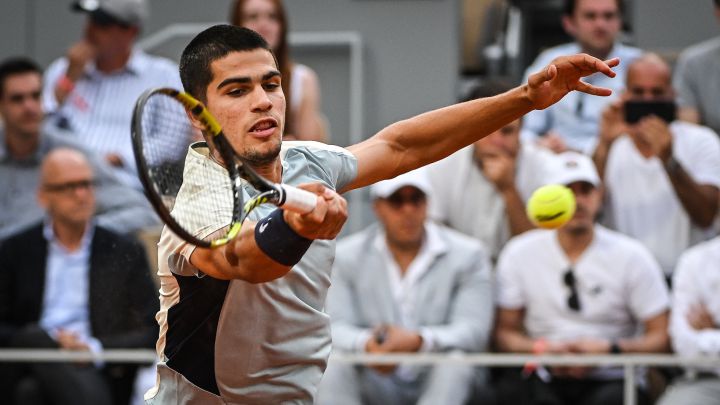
[[159, 115]]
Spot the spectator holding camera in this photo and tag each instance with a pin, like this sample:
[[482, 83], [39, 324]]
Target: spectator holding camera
[[662, 175]]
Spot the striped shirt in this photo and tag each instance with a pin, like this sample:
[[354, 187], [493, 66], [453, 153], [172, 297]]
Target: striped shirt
[[99, 110]]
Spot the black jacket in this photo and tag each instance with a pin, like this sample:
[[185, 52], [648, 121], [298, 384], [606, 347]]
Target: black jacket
[[122, 297]]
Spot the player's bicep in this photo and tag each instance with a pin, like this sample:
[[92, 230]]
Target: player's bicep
[[378, 158]]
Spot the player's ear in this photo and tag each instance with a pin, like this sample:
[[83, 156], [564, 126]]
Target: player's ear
[[196, 123]]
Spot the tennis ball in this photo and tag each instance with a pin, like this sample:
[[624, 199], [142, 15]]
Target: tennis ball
[[551, 206]]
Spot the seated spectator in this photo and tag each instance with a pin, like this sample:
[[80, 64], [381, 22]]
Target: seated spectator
[[92, 90], [662, 178], [67, 283], [580, 289], [24, 143], [304, 121], [406, 285], [572, 123], [695, 324], [495, 176], [697, 80]]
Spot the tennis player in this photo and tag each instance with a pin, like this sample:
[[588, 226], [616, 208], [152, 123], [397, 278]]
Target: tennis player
[[244, 323]]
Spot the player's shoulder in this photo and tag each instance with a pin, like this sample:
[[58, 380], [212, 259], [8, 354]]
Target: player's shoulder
[[291, 148]]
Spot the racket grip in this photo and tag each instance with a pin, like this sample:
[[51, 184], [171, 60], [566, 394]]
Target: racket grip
[[297, 200]]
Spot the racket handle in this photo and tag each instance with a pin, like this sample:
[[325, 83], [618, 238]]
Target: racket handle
[[296, 199]]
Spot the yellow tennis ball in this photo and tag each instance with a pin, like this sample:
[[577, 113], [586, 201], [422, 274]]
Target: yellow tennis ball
[[551, 206]]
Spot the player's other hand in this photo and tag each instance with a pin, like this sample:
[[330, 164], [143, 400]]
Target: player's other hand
[[323, 222], [563, 75]]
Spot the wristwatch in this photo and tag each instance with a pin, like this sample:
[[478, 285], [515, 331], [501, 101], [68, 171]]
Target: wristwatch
[[615, 348], [672, 165]]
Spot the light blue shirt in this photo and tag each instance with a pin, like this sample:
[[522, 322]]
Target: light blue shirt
[[576, 117], [99, 110], [67, 288]]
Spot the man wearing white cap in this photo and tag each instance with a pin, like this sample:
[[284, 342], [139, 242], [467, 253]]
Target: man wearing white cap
[[91, 91], [406, 285], [578, 289]]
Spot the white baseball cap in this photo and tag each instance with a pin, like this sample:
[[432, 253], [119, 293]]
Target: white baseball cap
[[131, 12], [415, 178], [571, 167]]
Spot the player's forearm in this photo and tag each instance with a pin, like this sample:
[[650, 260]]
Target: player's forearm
[[434, 135], [240, 259]]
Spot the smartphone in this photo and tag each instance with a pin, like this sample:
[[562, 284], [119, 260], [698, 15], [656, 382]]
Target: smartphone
[[635, 110]]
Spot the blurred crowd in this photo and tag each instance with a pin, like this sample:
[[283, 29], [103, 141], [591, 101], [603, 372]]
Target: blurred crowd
[[452, 264]]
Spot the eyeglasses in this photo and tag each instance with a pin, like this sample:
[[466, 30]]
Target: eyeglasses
[[573, 300], [397, 200], [70, 187]]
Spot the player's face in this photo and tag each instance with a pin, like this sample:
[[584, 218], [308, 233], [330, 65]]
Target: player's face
[[68, 193], [588, 199], [403, 215], [595, 24], [246, 99], [262, 17], [20, 105], [505, 140]]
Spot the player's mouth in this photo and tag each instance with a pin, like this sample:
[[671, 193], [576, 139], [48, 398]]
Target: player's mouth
[[264, 128]]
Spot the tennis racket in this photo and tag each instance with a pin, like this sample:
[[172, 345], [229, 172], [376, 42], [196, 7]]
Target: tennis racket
[[160, 115]]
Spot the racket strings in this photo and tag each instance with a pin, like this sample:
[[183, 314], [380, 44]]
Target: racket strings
[[206, 204]]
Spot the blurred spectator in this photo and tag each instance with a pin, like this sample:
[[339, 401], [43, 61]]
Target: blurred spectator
[[662, 178], [23, 145], [406, 285], [92, 90], [695, 323], [697, 80], [481, 190], [69, 284], [572, 123], [304, 119], [579, 289]]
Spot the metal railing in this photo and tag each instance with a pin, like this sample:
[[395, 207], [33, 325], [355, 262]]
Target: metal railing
[[629, 362]]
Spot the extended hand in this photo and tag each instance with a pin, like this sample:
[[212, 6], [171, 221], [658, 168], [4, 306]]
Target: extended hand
[[563, 75], [323, 222]]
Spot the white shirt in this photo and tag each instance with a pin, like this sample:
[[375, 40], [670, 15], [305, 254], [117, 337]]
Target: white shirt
[[466, 201], [99, 110], [641, 200], [697, 281], [403, 287], [577, 115], [618, 281]]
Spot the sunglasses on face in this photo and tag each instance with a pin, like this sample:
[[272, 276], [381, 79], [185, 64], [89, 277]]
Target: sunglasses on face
[[573, 300], [397, 200], [70, 187]]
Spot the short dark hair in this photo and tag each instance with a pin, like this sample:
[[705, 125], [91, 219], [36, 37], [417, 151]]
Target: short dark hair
[[487, 88], [570, 5], [16, 66], [210, 45]]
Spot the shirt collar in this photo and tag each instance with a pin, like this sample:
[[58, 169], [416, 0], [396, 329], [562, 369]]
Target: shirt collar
[[49, 234], [432, 243]]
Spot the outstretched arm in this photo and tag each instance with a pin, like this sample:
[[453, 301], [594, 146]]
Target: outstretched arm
[[431, 136]]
